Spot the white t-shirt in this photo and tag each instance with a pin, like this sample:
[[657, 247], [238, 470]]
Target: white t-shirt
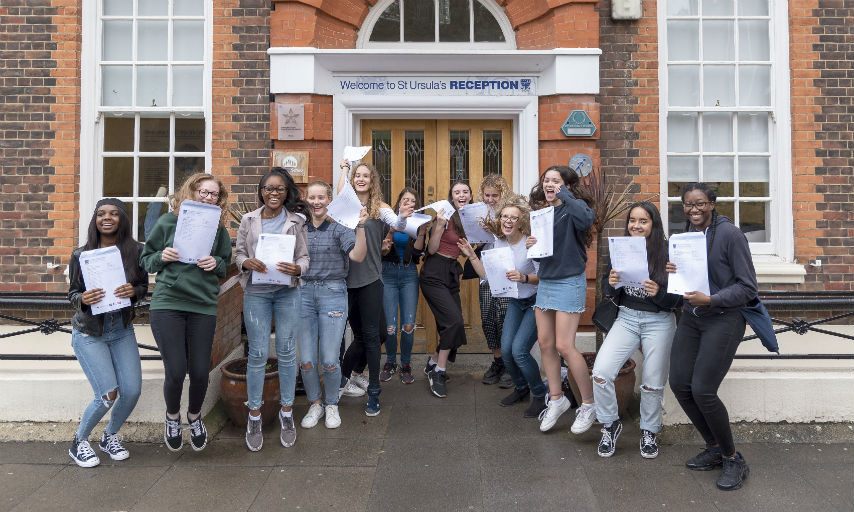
[[523, 264]]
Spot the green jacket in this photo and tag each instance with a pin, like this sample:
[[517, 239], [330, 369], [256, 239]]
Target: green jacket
[[183, 286]]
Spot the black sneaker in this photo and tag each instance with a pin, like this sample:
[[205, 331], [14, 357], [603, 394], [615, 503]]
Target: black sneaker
[[608, 443], [706, 460], [198, 434], [506, 381], [648, 445], [429, 366], [406, 374], [734, 472], [81, 452], [437, 383], [515, 397], [388, 370], [172, 434], [110, 445], [537, 405], [493, 374]]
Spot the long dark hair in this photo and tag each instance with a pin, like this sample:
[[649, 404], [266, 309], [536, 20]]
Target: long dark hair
[[455, 218], [572, 182], [293, 198], [414, 194], [712, 196], [656, 242], [128, 247]]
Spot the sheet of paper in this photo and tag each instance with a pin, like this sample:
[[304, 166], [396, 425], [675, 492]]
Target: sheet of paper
[[415, 221], [688, 252], [103, 268], [345, 208], [497, 262], [271, 249], [196, 230], [471, 216], [355, 153], [443, 205], [628, 257], [542, 228]]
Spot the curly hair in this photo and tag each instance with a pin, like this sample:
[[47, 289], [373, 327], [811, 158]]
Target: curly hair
[[511, 201], [497, 182], [188, 191], [375, 193]]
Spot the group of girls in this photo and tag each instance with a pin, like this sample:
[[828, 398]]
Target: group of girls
[[368, 277]]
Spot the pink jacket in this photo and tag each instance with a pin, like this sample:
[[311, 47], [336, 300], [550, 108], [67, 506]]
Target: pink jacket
[[247, 239]]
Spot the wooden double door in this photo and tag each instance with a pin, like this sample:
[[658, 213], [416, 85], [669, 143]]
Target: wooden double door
[[429, 155]]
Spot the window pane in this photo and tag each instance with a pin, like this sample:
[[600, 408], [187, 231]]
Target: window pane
[[683, 40], [153, 174], [675, 188], [118, 133], [683, 169], [754, 85], [118, 177], [148, 215], [186, 166], [153, 7], [753, 189], [682, 7], [753, 40], [454, 25], [151, 86], [189, 135], [718, 86], [725, 208], [414, 160], [419, 23], [718, 40], [717, 8], [720, 171], [189, 40], [459, 155], [753, 170], [676, 217], [753, 7], [153, 134], [753, 132], [153, 40], [753, 221], [118, 7], [187, 85], [381, 156], [491, 152], [188, 8], [682, 132], [387, 27], [116, 85], [118, 40], [683, 86], [486, 27], [717, 132]]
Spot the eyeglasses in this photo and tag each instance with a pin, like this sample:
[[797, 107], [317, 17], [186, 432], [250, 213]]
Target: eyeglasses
[[511, 218], [699, 205], [270, 189], [207, 193]]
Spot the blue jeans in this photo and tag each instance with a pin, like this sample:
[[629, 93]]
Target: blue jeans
[[259, 309], [400, 290], [653, 332], [517, 338], [324, 316], [110, 362]]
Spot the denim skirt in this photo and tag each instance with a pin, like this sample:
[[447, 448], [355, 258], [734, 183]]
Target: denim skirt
[[567, 294]]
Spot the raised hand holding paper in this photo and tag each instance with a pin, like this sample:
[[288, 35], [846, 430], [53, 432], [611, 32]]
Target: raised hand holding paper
[[542, 228], [103, 268], [196, 230], [345, 208], [415, 221], [355, 153], [471, 216], [272, 249], [444, 205], [628, 257], [688, 252], [496, 263]]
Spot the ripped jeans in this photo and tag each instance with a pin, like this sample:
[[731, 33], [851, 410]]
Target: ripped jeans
[[400, 292], [324, 316], [111, 363], [653, 332]]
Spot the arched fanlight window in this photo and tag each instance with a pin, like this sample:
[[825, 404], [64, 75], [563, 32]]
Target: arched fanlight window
[[466, 23]]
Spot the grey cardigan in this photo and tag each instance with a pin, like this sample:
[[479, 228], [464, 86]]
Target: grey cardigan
[[247, 239]]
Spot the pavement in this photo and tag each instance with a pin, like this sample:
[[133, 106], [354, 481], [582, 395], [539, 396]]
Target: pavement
[[462, 453]]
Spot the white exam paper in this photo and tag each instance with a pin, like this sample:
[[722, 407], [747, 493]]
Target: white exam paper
[[415, 221], [443, 205], [355, 153], [103, 268], [345, 208], [471, 216], [196, 230], [688, 252], [496, 263], [271, 249], [628, 257], [542, 228]]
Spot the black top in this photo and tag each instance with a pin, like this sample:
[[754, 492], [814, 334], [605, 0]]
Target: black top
[[638, 299]]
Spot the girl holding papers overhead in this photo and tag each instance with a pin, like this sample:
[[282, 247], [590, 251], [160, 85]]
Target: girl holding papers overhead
[[183, 307], [271, 254], [562, 291], [512, 228], [105, 344], [709, 331]]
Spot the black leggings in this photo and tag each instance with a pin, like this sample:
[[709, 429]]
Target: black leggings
[[185, 340], [367, 322], [703, 350], [440, 284]]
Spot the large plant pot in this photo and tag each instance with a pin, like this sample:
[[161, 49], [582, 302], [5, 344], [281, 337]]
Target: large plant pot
[[233, 391], [624, 384]]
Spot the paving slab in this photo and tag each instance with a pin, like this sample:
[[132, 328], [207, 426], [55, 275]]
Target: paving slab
[[205, 488], [316, 488], [18, 481]]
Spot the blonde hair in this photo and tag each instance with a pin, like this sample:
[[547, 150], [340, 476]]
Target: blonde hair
[[188, 191], [497, 182], [375, 194], [524, 222], [327, 188]]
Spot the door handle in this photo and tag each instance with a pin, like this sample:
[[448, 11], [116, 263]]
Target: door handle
[[430, 192]]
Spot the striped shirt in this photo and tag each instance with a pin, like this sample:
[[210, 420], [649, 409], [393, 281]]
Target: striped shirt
[[329, 247]]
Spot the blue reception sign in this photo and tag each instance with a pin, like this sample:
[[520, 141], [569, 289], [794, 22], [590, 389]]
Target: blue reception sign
[[578, 124]]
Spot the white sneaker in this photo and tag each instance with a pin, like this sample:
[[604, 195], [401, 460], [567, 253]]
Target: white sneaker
[[350, 389], [585, 417], [359, 380], [553, 410], [315, 412], [332, 418]]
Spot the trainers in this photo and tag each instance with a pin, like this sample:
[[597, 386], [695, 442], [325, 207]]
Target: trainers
[[254, 436], [359, 380], [372, 408], [706, 460], [315, 412], [198, 434], [506, 381], [288, 434], [333, 420], [493, 374], [437, 383], [608, 443], [734, 472], [537, 405], [110, 445], [585, 416], [648, 445], [515, 397], [388, 370], [429, 366], [82, 453], [172, 434], [406, 374], [554, 408], [350, 389]]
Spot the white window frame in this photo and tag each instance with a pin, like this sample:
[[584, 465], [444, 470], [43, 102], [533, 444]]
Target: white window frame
[[91, 112]]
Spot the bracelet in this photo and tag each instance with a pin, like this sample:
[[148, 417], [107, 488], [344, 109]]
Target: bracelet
[[526, 278], [361, 225], [343, 166]]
